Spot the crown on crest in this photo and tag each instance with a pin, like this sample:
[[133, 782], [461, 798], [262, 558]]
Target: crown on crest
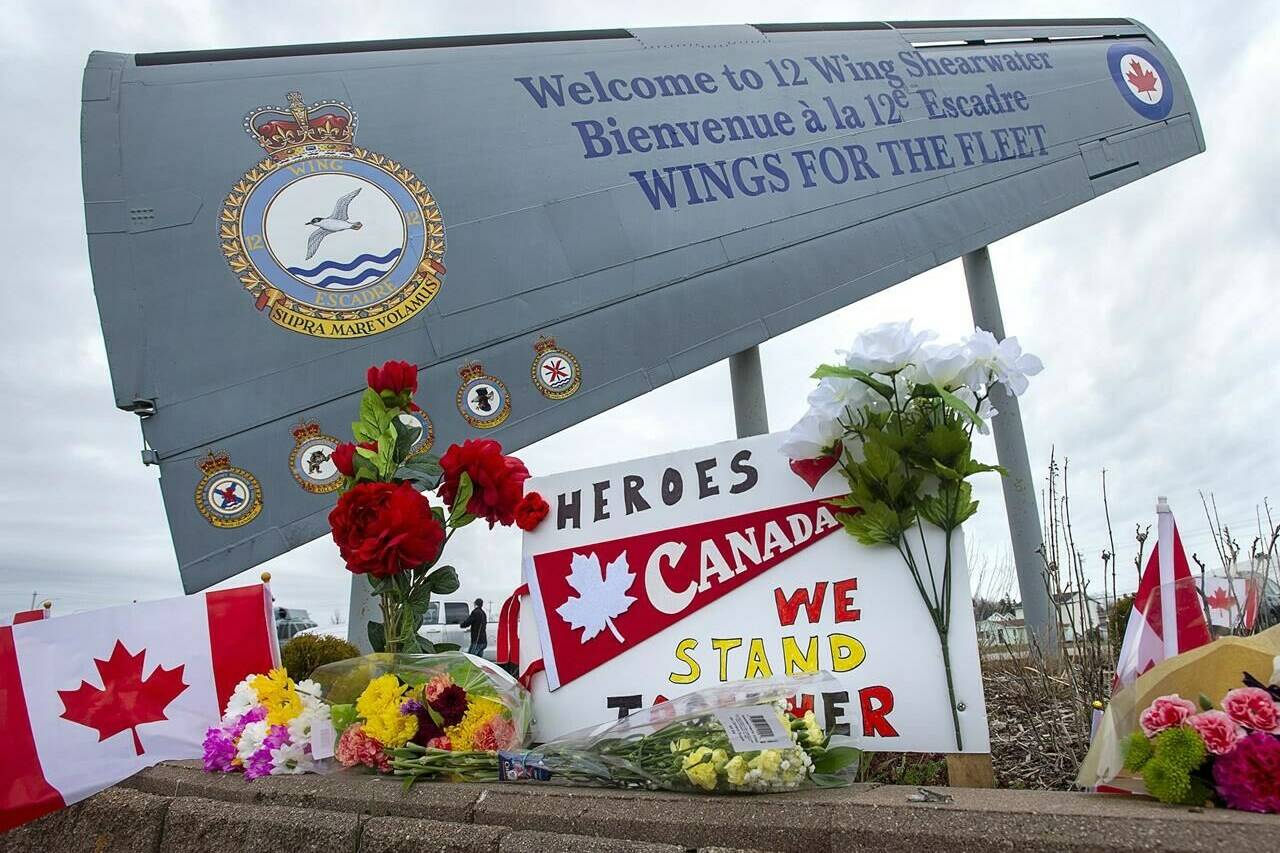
[[305, 430], [214, 461], [470, 370], [543, 344], [297, 130]]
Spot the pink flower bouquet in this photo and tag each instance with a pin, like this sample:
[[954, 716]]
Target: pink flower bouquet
[[1191, 754]]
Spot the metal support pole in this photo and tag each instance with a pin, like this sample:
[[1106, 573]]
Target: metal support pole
[[363, 609], [749, 412], [1011, 450]]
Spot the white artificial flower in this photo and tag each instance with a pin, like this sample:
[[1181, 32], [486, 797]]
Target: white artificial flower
[[837, 399], [291, 757], [251, 739], [1016, 366], [999, 361], [242, 699], [810, 437], [984, 410], [942, 365], [886, 347]]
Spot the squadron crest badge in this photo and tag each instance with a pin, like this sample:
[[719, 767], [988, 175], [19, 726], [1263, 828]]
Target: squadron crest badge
[[483, 401], [556, 372], [330, 239], [420, 420], [227, 496], [311, 459]]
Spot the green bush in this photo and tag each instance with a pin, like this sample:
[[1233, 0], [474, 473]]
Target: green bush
[[304, 653]]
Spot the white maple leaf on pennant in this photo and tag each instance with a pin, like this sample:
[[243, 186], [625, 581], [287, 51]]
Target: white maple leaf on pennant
[[601, 598]]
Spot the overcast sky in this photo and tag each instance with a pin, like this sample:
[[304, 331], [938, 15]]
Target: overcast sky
[[1153, 307]]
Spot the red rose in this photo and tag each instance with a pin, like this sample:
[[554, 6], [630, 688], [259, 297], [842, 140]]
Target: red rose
[[498, 480], [398, 377], [344, 456], [530, 511], [384, 528]]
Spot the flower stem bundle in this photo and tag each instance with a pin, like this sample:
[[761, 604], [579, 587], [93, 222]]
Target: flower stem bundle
[[898, 418]]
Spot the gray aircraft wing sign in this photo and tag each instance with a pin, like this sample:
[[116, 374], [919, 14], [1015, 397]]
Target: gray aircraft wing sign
[[549, 224]]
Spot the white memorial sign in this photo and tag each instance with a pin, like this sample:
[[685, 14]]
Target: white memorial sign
[[659, 576]]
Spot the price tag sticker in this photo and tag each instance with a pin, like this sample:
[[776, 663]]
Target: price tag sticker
[[322, 739], [754, 727]]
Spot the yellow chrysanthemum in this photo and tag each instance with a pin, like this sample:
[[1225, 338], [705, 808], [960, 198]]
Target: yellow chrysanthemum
[[768, 763], [479, 711], [276, 693], [812, 729], [702, 775], [379, 705], [391, 728], [736, 770], [384, 693], [719, 758], [697, 757]]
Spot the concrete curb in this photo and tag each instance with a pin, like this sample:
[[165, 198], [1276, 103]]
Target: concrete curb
[[176, 808]]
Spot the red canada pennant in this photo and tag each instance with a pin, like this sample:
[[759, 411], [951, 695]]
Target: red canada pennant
[[126, 700], [604, 598]]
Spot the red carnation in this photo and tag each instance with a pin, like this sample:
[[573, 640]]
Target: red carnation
[[530, 511], [451, 704], [384, 528], [344, 456], [428, 728], [398, 377], [498, 480]]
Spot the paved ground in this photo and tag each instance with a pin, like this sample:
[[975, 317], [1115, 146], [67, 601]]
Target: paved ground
[[177, 809]]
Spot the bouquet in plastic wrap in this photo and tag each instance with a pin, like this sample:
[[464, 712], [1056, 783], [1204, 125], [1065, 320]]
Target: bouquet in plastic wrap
[[741, 737], [272, 726], [420, 716]]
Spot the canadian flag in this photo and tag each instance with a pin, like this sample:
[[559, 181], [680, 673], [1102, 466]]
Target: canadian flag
[[1166, 586], [1232, 602], [89, 699]]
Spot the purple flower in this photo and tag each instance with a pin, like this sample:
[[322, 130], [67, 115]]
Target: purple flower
[[253, 715], [1248, 777], [259, 764], [219, 750]]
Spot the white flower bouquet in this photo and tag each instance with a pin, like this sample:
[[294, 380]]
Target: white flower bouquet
[[897, 417]]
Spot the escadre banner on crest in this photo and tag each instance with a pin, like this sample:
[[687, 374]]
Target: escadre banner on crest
[[656, 577]]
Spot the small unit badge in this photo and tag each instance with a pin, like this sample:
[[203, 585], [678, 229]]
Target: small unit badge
[[483, 401], [556, 372], [227, 496], [330, 239], [311, 460], [422, 421]]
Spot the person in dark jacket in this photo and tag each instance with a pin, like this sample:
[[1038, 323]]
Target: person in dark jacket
[[477, 621]]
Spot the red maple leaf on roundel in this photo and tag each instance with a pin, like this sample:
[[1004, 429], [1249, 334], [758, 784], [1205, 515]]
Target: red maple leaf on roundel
[[1143, 81], [126, 700], [1221, 600]]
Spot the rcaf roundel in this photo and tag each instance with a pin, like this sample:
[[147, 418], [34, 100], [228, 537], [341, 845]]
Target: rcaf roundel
[[1141, 79]]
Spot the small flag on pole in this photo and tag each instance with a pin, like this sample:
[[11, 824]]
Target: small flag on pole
[[1166, 587], [89, 699], [24, 616]]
